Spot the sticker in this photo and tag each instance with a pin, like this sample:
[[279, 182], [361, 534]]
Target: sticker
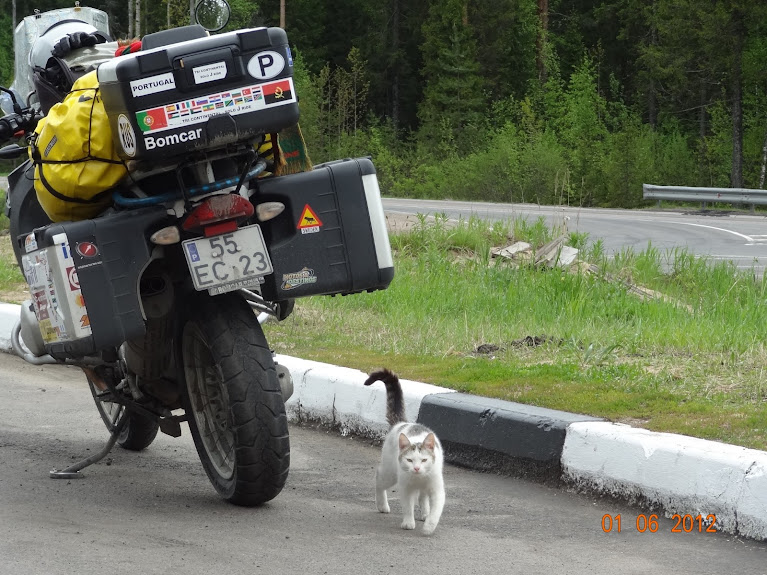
[[209, 73], [233, 102], [30, 243], [152, 142], [309, 220], [87, 249], [297, 279], [278, 92], [266, 65], [154, 119], [40, 300], [152, 85], [74, 282], [85, 321], [194, 255], [127, 135]]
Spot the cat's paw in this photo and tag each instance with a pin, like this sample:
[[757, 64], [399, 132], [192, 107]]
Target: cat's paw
[[408, 524], [383, 507], [428, 528]]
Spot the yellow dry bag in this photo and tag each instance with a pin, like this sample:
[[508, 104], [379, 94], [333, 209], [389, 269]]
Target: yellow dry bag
[[76, 165]]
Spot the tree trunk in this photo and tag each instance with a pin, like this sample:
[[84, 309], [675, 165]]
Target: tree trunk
[[13, 16], [396, 61], [540, 58], [764, 163], [138, 18], [191, 11], [736, 88], [652, 94], [702, 125], [131, 4], [282, 14]]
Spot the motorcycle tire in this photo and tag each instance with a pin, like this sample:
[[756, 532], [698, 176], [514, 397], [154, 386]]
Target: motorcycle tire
[[137, 433], [232, 398]]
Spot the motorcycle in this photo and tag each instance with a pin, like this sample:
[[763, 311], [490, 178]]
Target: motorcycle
[[156, 297]]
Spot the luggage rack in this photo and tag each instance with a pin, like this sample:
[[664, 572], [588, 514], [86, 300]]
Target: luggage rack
[[199, 190]]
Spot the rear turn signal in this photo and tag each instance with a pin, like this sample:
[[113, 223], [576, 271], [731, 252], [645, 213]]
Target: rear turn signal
[[166, 236], [269, 210]]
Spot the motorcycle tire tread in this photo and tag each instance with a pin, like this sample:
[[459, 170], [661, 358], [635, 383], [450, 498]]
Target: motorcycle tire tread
[[238, 346]]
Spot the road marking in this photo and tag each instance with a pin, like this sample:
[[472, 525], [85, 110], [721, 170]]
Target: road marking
[[745, 237]]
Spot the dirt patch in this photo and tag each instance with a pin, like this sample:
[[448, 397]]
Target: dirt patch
[[398, 223]]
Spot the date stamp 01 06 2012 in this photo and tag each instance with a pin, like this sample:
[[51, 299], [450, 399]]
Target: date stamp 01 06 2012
[[644, 523]]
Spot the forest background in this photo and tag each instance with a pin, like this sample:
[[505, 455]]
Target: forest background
[[577, 102]]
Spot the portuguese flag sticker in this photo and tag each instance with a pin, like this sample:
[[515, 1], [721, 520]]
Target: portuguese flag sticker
[[153, 119]]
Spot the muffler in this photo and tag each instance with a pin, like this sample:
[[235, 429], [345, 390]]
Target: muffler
[[286, 381]]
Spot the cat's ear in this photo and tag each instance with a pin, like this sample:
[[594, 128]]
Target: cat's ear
[[429, 442], [404, 442]]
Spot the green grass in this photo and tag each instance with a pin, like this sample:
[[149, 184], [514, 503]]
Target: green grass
[[4, 223], [11, 278], [691, 362]]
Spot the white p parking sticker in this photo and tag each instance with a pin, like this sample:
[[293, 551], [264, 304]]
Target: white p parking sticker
[[266, 65]]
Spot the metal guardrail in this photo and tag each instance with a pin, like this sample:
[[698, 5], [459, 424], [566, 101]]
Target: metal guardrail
[[687, 194]]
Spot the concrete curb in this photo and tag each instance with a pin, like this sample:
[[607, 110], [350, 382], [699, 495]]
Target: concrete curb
[[682, 475], [9, 315], [679, 474], [498, 435], [336, 396]]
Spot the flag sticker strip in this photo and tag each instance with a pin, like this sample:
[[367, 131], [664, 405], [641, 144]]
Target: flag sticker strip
[[233, 102]]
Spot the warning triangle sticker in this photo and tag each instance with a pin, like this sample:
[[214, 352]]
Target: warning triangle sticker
[[308, 219]]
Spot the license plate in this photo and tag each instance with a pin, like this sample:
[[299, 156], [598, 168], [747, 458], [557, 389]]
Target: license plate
[[229, 261]]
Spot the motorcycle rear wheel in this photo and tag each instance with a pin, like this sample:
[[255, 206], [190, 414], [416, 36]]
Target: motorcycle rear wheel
[[137, 434], [233, 401]]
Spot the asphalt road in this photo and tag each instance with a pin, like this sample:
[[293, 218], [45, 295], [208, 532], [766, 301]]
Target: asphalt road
[[155, 512], [738, 237]]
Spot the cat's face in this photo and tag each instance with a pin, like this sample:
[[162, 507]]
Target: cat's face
[[417, 458]]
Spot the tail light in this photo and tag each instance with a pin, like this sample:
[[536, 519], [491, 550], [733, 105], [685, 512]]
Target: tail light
[[219, 214]]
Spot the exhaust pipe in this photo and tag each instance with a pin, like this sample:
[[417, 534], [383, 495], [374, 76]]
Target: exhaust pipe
[[286, 381]]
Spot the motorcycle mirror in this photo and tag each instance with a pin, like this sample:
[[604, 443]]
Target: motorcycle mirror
[[212, 15], [11, 152]]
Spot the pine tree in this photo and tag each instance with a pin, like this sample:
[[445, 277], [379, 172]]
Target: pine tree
[[454, 101]]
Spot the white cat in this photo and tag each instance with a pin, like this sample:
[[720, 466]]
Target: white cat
[[412, 459]]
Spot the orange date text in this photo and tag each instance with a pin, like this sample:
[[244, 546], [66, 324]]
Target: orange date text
[[649, 523]]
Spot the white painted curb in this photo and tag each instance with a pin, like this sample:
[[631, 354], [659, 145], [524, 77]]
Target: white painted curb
[[337, 396], [682, 474], [9, 315]]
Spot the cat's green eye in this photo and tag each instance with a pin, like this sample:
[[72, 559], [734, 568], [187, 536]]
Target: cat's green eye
[[410, 460]]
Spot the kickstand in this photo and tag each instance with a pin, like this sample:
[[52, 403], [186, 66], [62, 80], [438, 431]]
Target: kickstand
[[73, 471]]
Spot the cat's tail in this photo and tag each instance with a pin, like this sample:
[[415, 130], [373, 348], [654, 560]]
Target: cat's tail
[[395, 404]]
